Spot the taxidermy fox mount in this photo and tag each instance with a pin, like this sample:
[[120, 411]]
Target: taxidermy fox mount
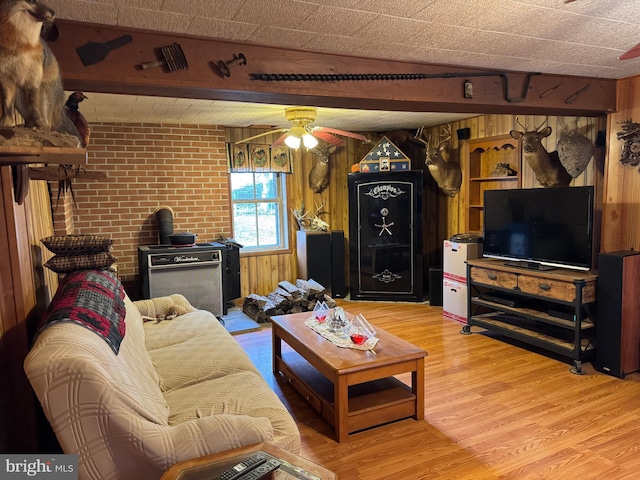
[[30, 82]]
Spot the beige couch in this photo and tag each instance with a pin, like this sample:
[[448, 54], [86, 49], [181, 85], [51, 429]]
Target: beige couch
[[177, 389]]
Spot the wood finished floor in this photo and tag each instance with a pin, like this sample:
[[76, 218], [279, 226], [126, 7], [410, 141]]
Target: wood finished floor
[[492, 411]]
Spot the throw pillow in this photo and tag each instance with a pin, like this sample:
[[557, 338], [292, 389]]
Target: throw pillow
[[76, 244], [69, 263]]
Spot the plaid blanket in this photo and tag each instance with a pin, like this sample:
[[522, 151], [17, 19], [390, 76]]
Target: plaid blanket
[[93, 299]]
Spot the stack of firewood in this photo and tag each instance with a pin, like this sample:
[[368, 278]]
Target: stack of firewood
[[287, 298]]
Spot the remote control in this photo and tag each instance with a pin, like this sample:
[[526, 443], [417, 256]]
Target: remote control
[[243, 467], [261, 470]]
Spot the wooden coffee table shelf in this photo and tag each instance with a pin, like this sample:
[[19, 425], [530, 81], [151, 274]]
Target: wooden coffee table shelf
[[352, 389]]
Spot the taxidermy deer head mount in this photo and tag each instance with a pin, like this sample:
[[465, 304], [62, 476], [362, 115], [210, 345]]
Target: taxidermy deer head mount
[[446, 172], [546, 166], [311, 221], [319, 174]]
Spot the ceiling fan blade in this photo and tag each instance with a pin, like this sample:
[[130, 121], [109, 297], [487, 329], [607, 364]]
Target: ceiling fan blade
[[245, 140], [631, 53], [339, 132], [327, 137], [279, 141]]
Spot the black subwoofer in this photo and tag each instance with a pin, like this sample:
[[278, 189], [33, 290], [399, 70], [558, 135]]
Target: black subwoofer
[[618, 313], [338, 271]]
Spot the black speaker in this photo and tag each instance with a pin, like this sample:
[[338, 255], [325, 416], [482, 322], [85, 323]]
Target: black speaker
[[314, 257], [618, 313], [463, 133], [338, 283], [435, 286]]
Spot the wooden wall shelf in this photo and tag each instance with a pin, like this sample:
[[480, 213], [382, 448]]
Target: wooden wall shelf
[[15, 155], [484, 154]]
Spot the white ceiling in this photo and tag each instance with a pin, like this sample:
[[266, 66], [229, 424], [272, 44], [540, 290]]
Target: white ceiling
[[583, 38]]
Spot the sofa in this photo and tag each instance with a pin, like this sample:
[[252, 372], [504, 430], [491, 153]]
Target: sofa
[[132, 393]]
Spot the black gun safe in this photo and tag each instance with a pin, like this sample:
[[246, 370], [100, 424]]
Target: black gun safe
[[385, 236]]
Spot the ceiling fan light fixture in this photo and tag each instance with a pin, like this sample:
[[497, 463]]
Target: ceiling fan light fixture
[[309, 141], [292, 142], [294, 137]]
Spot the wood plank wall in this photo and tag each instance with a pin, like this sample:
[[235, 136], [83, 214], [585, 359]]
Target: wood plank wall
[[492, 125], [621, 211], [260, 273]]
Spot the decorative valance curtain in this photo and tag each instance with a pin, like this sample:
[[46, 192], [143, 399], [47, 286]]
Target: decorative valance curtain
[[258, 158]]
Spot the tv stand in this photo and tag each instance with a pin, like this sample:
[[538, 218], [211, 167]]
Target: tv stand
[[539, 294], [529, 265]]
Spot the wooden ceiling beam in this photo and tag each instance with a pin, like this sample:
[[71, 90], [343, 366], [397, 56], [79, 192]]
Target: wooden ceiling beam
[[501, 92]]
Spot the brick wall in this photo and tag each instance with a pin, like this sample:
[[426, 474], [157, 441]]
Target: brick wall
[[181, 166]]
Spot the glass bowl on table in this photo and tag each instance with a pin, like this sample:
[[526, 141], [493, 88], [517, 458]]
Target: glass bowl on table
[[360, 330], [320, 311], [338, 322]]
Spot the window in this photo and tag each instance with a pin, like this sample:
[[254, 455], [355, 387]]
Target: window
[[259, 208]]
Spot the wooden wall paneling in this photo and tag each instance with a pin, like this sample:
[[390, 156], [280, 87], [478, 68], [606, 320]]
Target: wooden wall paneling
[[245, 276], [41, 226], [18, 299], [452, 209], [621, 208], [492, 125]]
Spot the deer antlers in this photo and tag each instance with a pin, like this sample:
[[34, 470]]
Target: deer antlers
[[546, 120], [445, 136], [311, 221]]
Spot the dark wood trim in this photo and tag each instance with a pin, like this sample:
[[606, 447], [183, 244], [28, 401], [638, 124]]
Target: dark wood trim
[[120, 73]]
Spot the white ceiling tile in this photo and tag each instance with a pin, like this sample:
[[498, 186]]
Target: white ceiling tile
[[399, 8], [391, 29], [144, 4], [102, 13], [223, 29], [221, 9], [153, 20], [327, 43], [338, 21], [281, 13], [280, 37], [584, 37], [336, 3]]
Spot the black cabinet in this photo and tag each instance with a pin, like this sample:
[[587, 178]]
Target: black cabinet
[[385, 236]]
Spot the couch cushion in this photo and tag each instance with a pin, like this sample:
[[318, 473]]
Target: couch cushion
[[74, 373], [158, 307], [193, 347], [135, 333], [240, 393]]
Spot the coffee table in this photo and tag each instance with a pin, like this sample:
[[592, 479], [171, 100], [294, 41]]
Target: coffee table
[[209, 467], [352, 389]]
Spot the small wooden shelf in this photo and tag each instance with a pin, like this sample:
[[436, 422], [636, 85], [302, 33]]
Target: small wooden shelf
[[388, 398], [494, 179], [483, 157], [15, 155]]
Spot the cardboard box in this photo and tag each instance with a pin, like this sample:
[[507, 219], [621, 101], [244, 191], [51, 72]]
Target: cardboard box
[[455, 256], [454, 301]]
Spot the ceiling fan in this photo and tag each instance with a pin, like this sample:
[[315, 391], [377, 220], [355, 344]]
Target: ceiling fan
[[633, 52], [303, 132]]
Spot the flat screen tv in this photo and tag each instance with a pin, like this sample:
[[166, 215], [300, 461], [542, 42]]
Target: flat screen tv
[[540, 228]]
